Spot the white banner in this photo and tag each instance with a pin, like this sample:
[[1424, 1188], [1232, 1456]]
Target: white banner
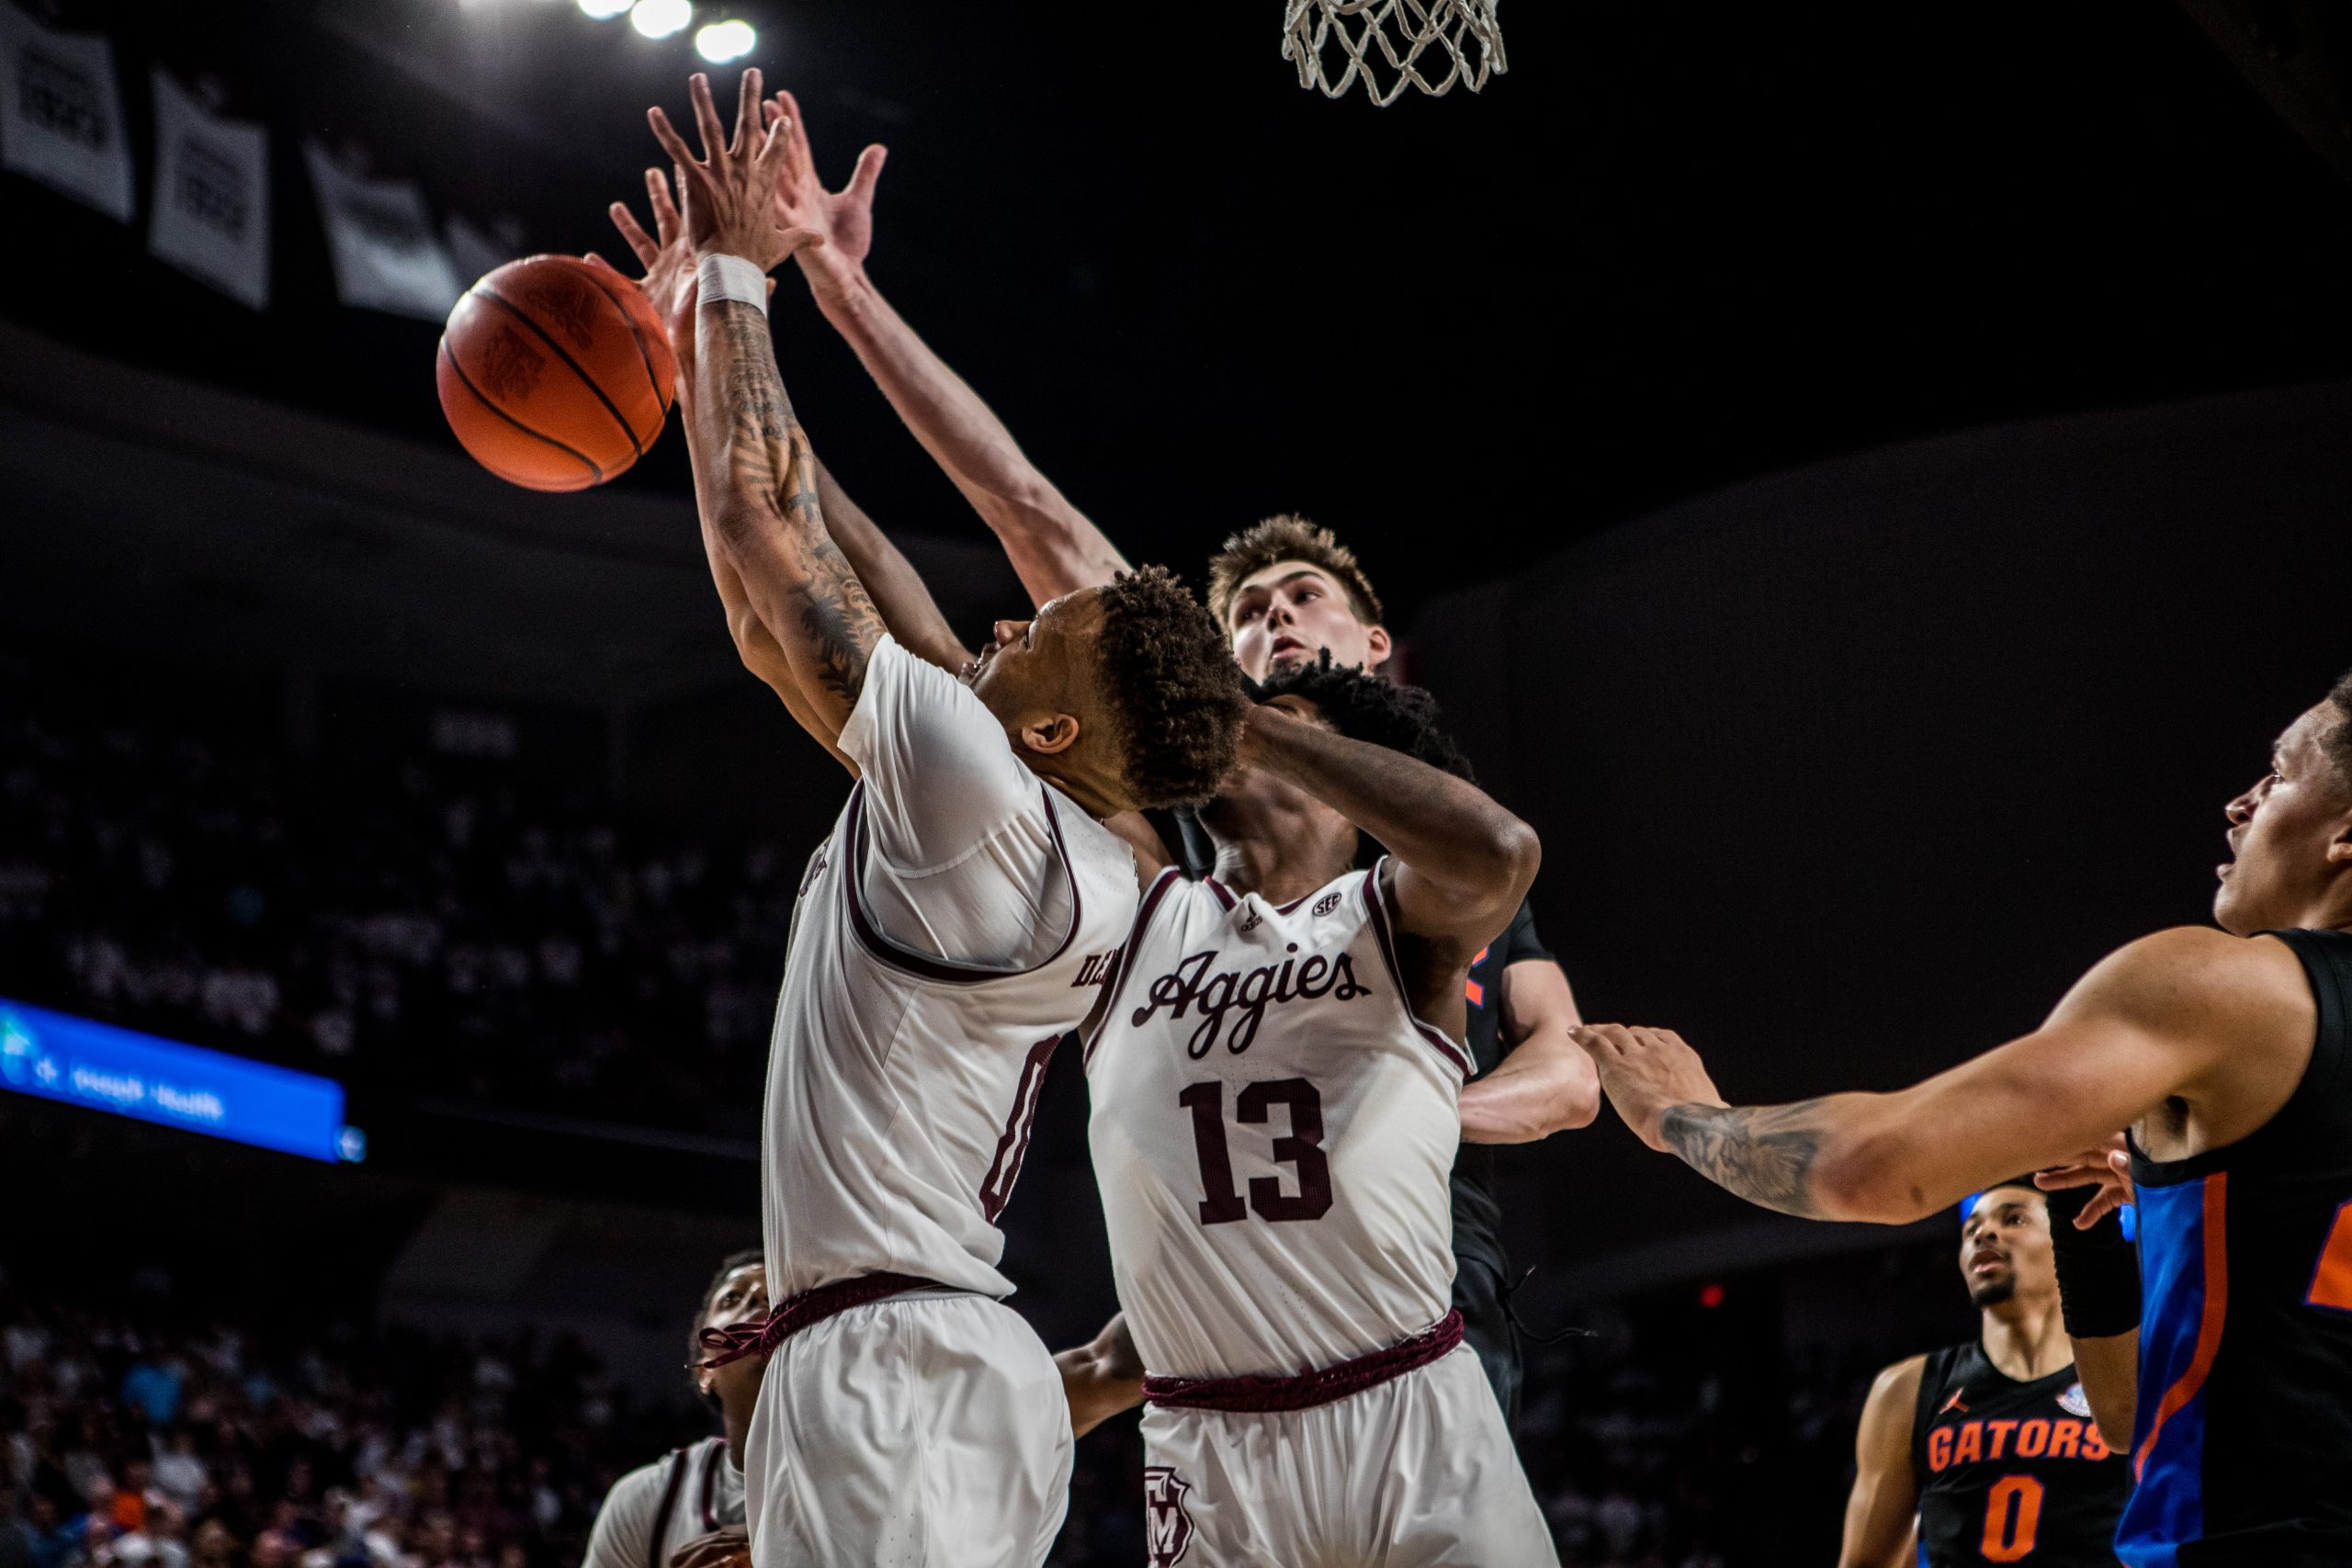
[[61, 113], [479, 251], [388, 256], [211, 213]]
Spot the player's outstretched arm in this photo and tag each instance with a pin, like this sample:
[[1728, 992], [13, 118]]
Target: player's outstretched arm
[[1053, 545], [755, 474], [2151, 1022], [1546, 1084], [1462, 862], [1102, 1377], [1882, 1511]]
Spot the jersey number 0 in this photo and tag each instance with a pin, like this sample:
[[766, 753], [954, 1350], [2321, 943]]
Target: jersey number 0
[[1301, 1148]]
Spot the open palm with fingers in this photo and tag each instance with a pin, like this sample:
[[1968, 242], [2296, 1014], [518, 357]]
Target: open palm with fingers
[[727, 196], [845, 217]]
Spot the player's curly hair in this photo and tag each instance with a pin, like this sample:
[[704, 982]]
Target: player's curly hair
[[1171, 683], [2339, 739], [1371, 708], [1288, 537]]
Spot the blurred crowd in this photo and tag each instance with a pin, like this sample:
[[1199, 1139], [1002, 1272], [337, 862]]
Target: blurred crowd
[[430, 927], [136, 1438]]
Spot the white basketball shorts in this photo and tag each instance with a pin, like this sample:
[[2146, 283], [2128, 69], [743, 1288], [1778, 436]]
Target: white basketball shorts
[[1415, 1473], [929, 1430]]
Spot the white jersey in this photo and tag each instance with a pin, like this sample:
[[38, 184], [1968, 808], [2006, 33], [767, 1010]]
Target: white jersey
[[685, 1493], [1273, 1130], [955, 926]]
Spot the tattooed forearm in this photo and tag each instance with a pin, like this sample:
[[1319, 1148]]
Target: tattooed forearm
[[806, 592], [1764, 1155]]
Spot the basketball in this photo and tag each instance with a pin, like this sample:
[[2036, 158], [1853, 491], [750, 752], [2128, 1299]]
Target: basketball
[[555, 373]]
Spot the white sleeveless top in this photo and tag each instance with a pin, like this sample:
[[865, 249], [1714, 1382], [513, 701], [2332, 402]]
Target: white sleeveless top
[[1273, 1130], [955, 926]]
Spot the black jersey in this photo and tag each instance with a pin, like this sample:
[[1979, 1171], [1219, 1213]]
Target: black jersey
[[1480, 1271], [2242, 1432], [2011, 1471]]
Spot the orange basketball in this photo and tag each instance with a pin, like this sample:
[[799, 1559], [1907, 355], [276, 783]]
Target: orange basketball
[[556, 374]]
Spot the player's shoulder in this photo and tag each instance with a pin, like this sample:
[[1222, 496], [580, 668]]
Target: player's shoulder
[[641, 1486], [1898, 1382], [2186, 975]]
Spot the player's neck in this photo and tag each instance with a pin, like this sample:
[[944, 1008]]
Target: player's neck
[[1280, 868], [2026, 1339], [735, 1417]]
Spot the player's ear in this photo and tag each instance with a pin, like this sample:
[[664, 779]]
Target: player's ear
[[1376, 646], [1051, 734]]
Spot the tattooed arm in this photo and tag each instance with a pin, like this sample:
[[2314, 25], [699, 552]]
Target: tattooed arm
[[2184, 1015], [756, 478]]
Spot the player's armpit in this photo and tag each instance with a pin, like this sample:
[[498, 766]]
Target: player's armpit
[[1884, 1507]]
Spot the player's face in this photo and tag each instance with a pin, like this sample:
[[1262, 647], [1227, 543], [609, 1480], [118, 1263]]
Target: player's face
[[1041, 665], [1291, 611], [741, 1297], [2005, 1246], [2290, 835]]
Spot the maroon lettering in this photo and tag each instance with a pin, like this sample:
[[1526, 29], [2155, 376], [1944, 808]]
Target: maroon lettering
[[1301, 1148], [1191, 988], [1220, 1203]]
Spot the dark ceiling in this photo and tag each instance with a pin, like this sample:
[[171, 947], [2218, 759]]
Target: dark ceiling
[[1674, 246]]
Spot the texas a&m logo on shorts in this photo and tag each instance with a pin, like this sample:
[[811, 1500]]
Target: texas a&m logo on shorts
[[1167, 1528]]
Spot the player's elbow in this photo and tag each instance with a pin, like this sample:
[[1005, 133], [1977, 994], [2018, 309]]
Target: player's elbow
[[1497, 863], [1867, 1176], [1577, 1105]]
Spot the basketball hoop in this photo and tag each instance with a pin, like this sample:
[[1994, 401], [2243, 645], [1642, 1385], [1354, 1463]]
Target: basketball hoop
[[1393, 44]]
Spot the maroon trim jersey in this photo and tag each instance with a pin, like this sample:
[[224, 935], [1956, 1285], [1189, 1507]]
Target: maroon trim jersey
[[2011, 1471], [1271, 1132], [952, 930]]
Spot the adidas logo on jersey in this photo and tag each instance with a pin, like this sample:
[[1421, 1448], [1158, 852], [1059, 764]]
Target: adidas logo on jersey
[[1252, 991]]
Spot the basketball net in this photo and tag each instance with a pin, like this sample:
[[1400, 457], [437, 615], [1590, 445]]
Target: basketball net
[[1390, 45]]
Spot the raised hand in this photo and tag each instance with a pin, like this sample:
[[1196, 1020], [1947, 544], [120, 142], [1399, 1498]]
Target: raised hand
[[727, 195], [666, 254], [844, 218]]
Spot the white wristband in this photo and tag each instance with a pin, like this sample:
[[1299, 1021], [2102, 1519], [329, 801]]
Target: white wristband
[[732, 277]]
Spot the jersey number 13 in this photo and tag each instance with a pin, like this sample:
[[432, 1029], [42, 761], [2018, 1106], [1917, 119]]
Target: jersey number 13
[[1301, 1148]]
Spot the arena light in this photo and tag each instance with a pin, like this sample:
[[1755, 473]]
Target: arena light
[[723, 41], [660, 18], [605, 10]]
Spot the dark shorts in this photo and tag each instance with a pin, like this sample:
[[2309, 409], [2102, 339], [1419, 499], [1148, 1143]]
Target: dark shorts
[[1487, 1329]]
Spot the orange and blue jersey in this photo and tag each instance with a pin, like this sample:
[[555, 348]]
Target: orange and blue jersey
[[2241, 1431]]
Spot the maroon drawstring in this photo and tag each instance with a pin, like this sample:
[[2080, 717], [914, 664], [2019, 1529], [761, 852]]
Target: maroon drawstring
[[788, 1318], [1308, 1389]]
